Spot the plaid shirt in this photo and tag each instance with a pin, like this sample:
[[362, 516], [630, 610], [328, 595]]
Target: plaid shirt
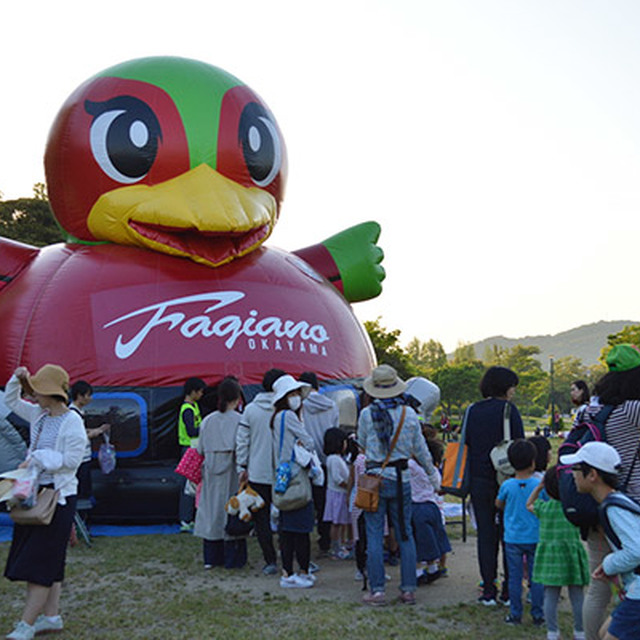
[[410, 443]]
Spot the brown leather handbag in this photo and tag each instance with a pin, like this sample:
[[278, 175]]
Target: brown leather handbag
[[41, 512], [368, 492]]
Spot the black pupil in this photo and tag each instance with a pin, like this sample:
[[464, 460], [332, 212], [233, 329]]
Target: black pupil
[[132, 137], [258, 146]]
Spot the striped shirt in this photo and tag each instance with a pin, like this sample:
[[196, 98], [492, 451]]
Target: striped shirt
[[623, 434], [46, 435]]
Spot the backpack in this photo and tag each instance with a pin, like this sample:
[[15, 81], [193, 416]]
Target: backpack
[[580, 508], [616, 499]]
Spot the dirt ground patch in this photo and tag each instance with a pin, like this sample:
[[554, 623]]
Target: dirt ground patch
[[335, 581]]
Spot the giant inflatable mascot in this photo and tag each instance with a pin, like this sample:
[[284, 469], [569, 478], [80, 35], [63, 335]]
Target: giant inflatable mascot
[[168, 176]]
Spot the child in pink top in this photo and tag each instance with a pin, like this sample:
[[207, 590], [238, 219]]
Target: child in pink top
[[336, 510], [432, 542]]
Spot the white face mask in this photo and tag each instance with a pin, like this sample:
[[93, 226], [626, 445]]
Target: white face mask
[[294, 402]]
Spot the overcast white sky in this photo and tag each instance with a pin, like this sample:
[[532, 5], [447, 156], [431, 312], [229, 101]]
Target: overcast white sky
[[497, 142]]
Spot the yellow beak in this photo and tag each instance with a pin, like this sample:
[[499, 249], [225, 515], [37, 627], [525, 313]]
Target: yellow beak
[[199, 215]]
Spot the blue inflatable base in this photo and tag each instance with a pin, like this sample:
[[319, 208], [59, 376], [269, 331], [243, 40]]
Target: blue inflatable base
[[96, 530]]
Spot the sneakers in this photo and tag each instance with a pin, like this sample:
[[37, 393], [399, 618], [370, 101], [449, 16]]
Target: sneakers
[[512, 620], [295, 581], [538, 622], [341, 554], [504, 600], [308, 576], [48, 624], [208, 566], [23, 631], [357, 576], [186, 527], [270, 569], [313, 567], [407, 597], [487, 601], [428, 578], [377, 599]]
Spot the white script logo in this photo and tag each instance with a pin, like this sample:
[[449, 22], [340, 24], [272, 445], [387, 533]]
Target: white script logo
[[270, 332]]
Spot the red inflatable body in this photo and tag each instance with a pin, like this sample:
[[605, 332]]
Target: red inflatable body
[[121, 316], [168, 175]]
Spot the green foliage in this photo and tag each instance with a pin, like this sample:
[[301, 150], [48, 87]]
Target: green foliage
[[566, 371], [30, 220], [459, 379], [465, 352], [386, 345], [630, 334], [426, 357], [494, 355], [459, 384]]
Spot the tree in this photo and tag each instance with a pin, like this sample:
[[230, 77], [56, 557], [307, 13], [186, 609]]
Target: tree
[[494, 355], [630, 334], [465, 352], [565, 371], [427, 357], [533, 389], [30, 220], [386, 345], [593, 374], [459, 384]]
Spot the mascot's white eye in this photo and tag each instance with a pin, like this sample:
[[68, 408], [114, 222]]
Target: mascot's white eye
[[124, 138], [261, 145]]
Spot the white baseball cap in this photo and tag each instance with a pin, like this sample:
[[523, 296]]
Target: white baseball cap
[[599, 455]]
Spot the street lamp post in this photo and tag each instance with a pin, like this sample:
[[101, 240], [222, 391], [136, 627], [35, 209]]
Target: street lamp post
[[553, 409]]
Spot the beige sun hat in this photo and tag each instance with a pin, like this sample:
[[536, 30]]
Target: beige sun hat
[[384, 382], [50, 380]]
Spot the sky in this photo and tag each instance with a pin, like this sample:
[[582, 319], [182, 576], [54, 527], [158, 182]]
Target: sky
[[497, 142]]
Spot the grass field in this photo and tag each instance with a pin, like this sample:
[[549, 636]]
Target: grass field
[[154, 587]]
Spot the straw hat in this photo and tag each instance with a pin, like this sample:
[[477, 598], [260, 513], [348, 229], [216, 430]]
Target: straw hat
[[384, 383], [50, 380], [286, 384]]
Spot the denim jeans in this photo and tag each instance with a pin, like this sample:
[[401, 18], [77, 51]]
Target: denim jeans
[[516, 553], [375, 533]]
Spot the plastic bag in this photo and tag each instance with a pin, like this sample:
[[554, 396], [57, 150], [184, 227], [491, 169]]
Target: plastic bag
[[107, 455], [25, 488]]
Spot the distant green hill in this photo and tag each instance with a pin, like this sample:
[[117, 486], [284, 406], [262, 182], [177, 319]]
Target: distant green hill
[[582, 342]]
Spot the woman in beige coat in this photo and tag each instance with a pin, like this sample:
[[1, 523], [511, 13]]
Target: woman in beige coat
[[219, 480]]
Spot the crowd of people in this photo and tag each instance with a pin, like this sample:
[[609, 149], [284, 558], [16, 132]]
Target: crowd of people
[[288, 447]]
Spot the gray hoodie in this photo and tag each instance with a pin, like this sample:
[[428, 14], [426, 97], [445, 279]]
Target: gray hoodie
[[254, 440], [319, 413]]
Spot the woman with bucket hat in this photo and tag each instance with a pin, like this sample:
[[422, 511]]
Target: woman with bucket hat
[[58, 439], [294, 526], [620, 388], [388, 428]]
